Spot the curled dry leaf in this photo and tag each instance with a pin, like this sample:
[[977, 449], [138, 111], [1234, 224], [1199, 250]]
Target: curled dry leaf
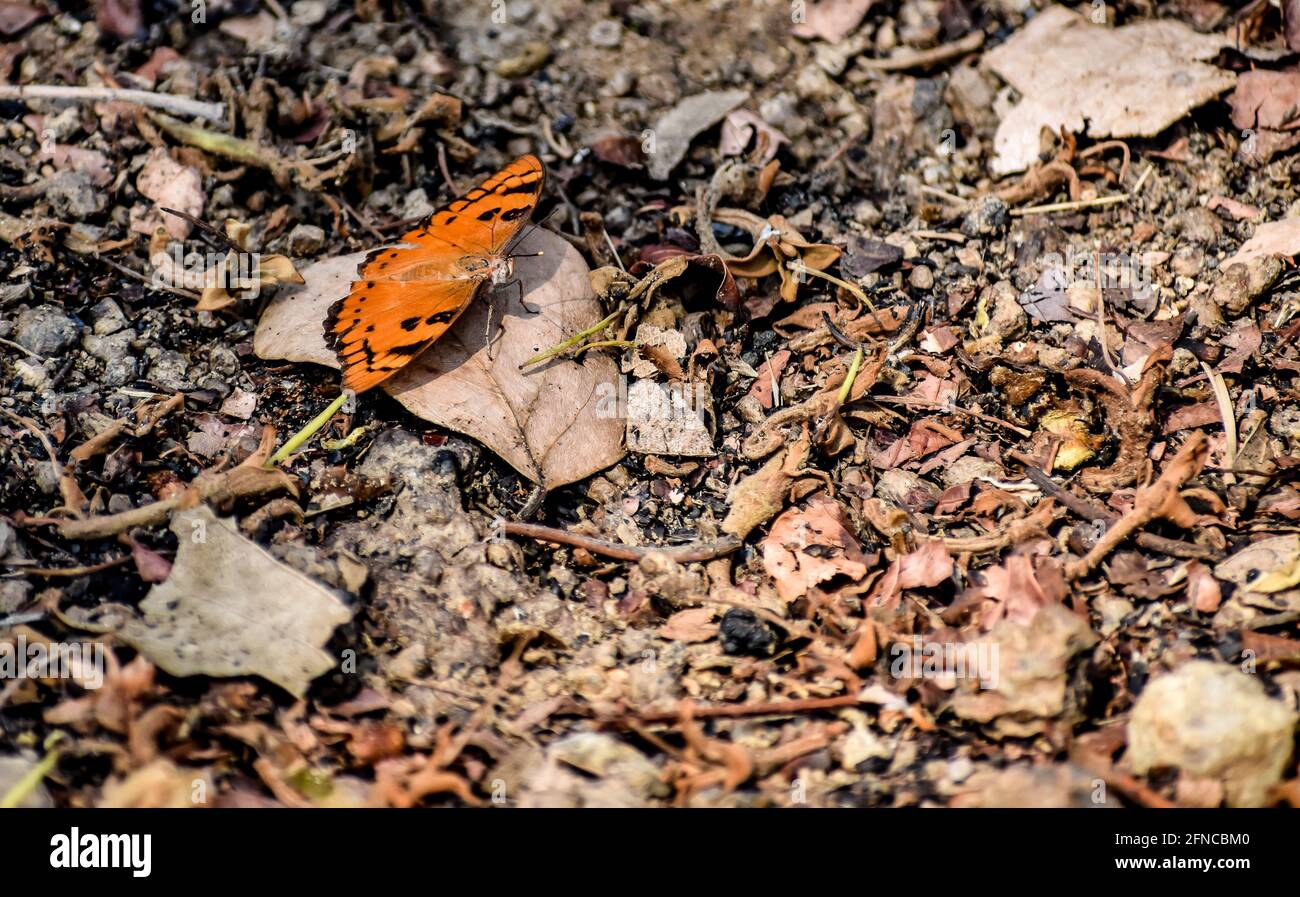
[[230, 609], [1266, 100], [543, 421], [810, 545], [1132, 81], [777, 244], [674, 131]]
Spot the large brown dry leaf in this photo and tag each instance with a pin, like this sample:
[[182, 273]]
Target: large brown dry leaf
[[1132, 81], [1271, 238], [810, 545], [545, 421], [929, 565], [230, 609]]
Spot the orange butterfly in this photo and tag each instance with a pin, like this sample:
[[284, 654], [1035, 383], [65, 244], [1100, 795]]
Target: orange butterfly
[[406, 296]]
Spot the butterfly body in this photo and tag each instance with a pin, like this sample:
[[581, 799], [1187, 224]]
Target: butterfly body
[[409, 294]]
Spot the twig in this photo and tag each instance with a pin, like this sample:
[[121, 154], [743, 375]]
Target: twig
[[572, 341], [953, 408], [74, 571], [169, 102], [916, 59], [21, 348], [298, 439], [1159, 500], [1071, 206], [702, 552], [759, 708]]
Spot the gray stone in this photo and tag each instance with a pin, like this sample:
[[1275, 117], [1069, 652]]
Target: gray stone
[[47, 330], [988, 218], [106, 317], [74, 196], [606, 33], [170, 370]]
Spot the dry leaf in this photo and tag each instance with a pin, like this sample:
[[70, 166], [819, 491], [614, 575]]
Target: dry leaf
[[675, 130], [173, 186], [694, 624], [1032, 661], [1271, 238], [810, 545], [230, 609], [1132, 81], [1266, 100], [544, 421], [832, 20]]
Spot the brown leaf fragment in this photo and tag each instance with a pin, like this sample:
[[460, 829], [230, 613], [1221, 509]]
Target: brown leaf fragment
[[810, 545]]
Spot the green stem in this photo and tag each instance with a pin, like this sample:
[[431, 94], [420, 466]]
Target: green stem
[[27, 784], [847, 387], [800, 268], [574, 340], [307, 432], [607, 344]]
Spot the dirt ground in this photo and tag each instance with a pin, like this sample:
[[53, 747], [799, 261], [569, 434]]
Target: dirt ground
[[975, 490]]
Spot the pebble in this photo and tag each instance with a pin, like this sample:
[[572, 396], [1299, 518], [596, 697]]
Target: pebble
[[1213, 720], [1198, 225], [170, 370], [74, 196], [47, 330], [988, 218], [306, 239], [106, 317], [606, 33], [921, 278]]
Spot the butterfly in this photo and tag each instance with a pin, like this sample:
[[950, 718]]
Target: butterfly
[[409, 294]]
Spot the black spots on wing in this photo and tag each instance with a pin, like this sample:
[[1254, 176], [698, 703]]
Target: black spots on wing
[[514, 214], [370, 328], [409, 349], [411, 323], [441, 317], [488, 214], [450, 219]]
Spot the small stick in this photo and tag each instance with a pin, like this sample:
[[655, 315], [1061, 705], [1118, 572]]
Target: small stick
[[847, 387], [1071, 206], [705, 552], [74, 571], [761, 708], [21, 348], [171, 103], [953, 408]]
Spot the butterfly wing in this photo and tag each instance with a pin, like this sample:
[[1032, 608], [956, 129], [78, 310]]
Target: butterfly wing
[[409, 294]]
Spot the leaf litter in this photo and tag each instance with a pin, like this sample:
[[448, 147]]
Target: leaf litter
[[978, 482]]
